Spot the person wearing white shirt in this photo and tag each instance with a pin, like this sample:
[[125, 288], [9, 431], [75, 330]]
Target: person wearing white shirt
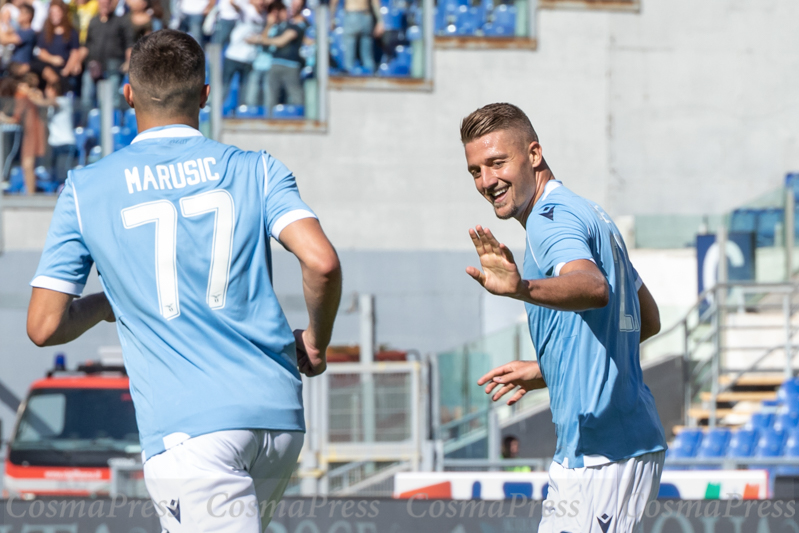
[[240, 54], [192, 15], [228, 13]]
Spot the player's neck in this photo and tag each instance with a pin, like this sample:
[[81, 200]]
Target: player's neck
[[148, 122], [542, 177]]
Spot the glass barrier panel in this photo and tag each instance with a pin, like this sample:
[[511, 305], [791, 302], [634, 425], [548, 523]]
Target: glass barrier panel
[[378, 38]]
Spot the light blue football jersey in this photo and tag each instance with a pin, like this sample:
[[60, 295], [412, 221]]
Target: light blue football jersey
[[600, 405], [179, 227]]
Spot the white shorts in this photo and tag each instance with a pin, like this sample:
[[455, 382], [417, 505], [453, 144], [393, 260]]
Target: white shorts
[[227, 481], [609, 498]]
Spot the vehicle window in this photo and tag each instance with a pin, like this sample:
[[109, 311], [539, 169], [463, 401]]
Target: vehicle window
[[44, 417]]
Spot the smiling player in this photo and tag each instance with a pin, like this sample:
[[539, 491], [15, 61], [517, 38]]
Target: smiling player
[[588, 311], [179, 227]]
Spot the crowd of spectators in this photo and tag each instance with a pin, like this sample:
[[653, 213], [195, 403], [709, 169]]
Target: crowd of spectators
[[53, 53]]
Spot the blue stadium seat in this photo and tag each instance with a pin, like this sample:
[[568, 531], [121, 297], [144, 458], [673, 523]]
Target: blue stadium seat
[[414, 33], [45, 182], [393, 18], [281, 111], [16, 181], [122, 137], [310, 16], [93, 123], [81, 139], [686, 444], [766, 221], [771, 443], [95, 154], [504, 20], [744, 220], [791, 449], [786, 420], [715, 443], [130, 120], [118, 117], [788, 393], [742, 443], [761, 421], [244, 111]]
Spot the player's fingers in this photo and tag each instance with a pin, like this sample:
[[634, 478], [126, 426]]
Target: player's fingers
[[506, 253], [478, 244], [503, 391], [516, 397], [511, 377], [498, 371], [491, 386], [492, 242], [475, 273]]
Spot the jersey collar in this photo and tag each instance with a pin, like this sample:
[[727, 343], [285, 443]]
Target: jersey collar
[[549, 187], [163, 132]]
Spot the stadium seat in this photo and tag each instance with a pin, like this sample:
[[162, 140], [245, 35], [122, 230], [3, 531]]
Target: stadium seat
[[788, 393], [44, 181], [742, 443], [743, 220], [686, 444], [93, 123], [393, 18], [786, 419], [771, 443], [230, 103], [766, 222], [414, 33], [205, 114], [95, 154], [130, 120], [714, 443], [760, 421], [244, 111], [504, 20], [118, 117], [791, 449], [16, 181], [282, 111], [81, 138]]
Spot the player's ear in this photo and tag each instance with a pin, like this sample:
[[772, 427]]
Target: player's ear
[[535, 154], [206, 92], [127, 91]]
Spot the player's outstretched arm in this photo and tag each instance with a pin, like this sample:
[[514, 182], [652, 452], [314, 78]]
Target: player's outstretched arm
[[650, 315], [526, 375], [579, 287], [57, 318], [321, 280]]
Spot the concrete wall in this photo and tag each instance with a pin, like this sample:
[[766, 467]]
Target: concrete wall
[[685, 108]]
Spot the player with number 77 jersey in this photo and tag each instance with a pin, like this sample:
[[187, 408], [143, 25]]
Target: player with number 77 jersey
[[179, 227]]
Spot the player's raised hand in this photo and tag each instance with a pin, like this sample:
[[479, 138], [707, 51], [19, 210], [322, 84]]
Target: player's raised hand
[[311, 360], [500, 274], [526, 375]]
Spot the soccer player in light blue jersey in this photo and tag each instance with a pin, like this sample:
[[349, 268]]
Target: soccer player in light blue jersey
[[588, 311], [179, 227]]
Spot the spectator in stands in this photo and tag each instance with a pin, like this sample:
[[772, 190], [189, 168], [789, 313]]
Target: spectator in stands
[[107, 51], [258, 85], [58, 46], [192, 16], [510, 450], [85, 11], [241, 53], [26, 114], [61, 137], [142, 18], [228, 14], [23, 38], [41, 10], [360, 31], [284, 74]]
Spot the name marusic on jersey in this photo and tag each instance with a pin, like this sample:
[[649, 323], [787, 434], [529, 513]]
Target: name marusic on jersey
[[172, 176]]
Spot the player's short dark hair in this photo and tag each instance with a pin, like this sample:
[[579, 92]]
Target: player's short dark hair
[[167, 73], [495, 117]]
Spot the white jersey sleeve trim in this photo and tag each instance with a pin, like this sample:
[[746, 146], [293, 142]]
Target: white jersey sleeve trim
[[638, 283], [559, 266], [549, 187], [288, 218], [77, 208], [58, 285], [266, 175]]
